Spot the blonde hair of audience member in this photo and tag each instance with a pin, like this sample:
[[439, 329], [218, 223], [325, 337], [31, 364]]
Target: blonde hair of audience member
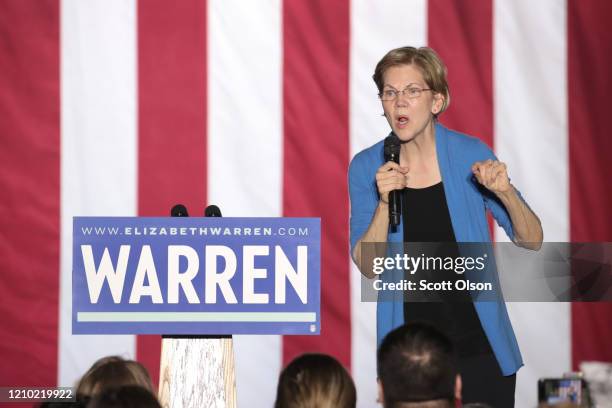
[[113, 372], [315, 381]]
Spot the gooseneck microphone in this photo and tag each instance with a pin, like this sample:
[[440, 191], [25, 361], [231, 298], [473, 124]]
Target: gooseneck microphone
[[179, 210], [392, 153], [212, 211]]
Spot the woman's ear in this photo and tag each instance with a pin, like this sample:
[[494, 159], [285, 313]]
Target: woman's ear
[[437, 103], [458, 387]]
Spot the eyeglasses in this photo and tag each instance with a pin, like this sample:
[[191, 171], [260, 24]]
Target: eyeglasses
[[412, 92]]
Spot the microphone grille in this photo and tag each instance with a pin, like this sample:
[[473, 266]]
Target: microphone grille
[[212, 211], [392, 148], [179, 210]]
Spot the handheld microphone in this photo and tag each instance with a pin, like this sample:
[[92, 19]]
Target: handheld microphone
[[179, 210], [212, 211], [391, 153]]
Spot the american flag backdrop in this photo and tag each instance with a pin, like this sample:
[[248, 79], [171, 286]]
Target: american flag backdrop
[[125, 108]]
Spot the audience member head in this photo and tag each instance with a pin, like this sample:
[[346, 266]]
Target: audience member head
[[315, 380], [416, 368], [113, 372], [129, 396]]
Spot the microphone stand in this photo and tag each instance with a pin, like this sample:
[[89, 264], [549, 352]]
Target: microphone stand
[[197, 371]]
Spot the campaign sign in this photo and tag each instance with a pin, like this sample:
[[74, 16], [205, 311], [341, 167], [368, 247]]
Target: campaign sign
[[139, 275]]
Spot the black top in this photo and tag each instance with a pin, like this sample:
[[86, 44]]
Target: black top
[[426, 219]]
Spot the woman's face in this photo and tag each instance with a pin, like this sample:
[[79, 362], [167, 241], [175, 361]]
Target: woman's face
[[409, 116]]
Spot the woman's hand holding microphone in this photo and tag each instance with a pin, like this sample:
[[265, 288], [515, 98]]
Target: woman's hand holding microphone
[[390, 176]]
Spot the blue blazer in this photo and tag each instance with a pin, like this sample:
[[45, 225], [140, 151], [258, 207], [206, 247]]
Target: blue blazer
[[467, 205]]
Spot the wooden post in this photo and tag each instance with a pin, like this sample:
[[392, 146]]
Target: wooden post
[[197, 371]]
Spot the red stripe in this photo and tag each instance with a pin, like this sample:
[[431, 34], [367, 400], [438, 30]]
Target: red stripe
[[30, 186], [461, 32], [172, 119], [589, 88], [316, 155]]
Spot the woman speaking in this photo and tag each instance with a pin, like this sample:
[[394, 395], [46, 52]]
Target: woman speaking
[[447, 181]]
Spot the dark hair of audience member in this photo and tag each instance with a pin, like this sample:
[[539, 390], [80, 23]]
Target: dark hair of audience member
[[416, 367], [71, 404], [113, 372], [439, 403], [129, 396], [315, 380]]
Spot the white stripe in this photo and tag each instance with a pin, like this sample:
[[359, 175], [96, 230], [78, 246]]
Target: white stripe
[[196, 317], [531, 136], [376, 27], [98, 147], [245, 149]]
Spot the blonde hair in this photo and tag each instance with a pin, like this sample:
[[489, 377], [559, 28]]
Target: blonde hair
[[426, 60], [113, 372], [315, 381]]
